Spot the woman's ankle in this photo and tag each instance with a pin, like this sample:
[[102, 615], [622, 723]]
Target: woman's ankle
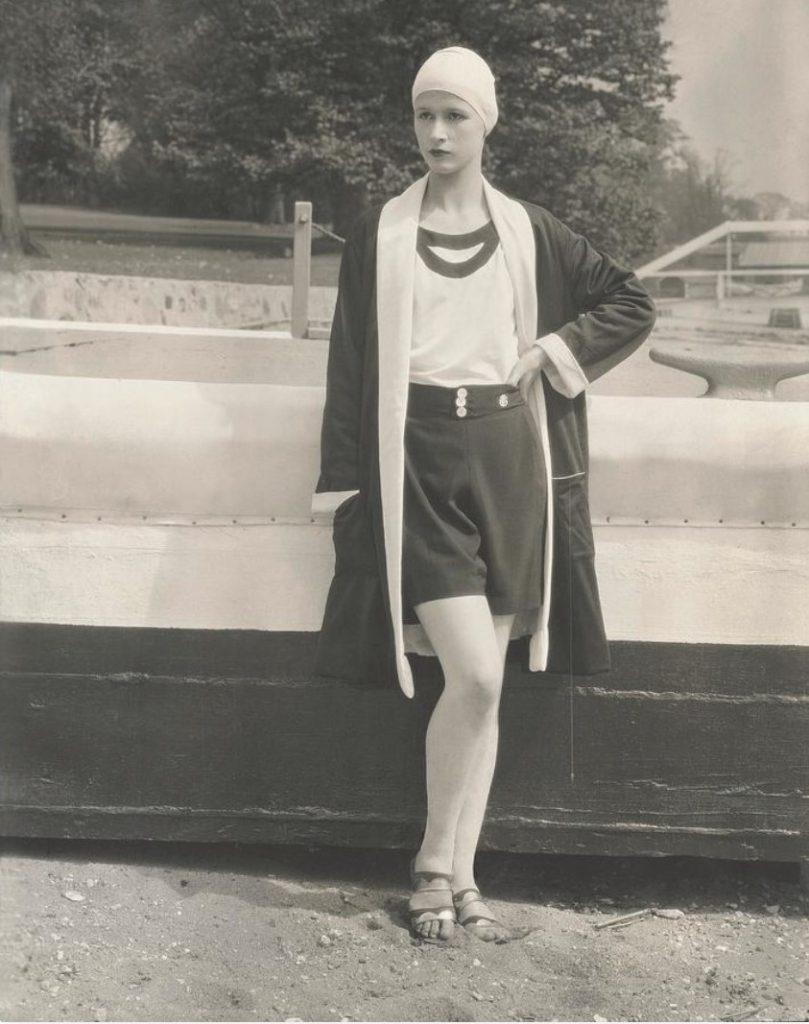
[[463, 874], [433, 860], [463, 881]]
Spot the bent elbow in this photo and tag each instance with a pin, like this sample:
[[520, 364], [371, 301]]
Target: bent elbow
[[646, 306]]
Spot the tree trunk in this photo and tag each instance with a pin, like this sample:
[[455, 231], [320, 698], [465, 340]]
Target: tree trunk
[[13, 233], [274, 211]]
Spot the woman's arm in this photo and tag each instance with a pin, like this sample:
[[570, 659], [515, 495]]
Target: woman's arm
[[615, 316]]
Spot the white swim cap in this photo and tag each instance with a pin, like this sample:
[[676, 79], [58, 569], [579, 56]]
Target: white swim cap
[[463, 73]]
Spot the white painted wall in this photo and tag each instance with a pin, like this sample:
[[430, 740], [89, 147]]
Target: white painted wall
[[86, 459], [157, 448]]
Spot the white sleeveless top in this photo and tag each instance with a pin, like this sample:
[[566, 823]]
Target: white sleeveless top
[[464, 329]]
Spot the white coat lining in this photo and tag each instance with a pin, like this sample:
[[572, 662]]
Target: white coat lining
[[396, 252]]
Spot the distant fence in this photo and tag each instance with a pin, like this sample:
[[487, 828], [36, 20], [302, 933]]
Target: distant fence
[[70, 221]]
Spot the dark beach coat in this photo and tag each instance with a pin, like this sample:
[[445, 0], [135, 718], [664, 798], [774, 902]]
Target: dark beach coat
[[586, 311]]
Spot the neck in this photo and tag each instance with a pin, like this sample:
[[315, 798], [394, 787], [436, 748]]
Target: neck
[[455, 195]]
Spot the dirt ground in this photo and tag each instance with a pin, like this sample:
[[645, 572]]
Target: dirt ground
[[111, 931]]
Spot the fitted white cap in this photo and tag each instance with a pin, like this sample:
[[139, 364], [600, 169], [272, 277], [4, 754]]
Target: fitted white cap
[[464, 73]]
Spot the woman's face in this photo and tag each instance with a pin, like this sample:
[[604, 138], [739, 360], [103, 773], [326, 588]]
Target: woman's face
[[450, 133]]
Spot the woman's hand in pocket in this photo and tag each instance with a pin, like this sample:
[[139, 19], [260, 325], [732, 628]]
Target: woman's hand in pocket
[[527, 369]]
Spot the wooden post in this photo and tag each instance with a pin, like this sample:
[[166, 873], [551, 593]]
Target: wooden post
[[301, 270], [728, 264]]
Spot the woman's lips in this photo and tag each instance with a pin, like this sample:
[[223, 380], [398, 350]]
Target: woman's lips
[[439, 152]]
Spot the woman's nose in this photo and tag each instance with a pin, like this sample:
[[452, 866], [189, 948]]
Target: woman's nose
[[439, 131]]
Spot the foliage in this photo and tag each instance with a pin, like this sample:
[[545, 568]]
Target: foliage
[[695, 195], [224, 103], [68, 61], [314, 98], [581, 89]]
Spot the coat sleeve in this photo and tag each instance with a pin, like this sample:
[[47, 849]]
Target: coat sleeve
[[339, 435], [615, 315]]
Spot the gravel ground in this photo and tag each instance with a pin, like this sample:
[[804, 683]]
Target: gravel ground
[[153, 931]]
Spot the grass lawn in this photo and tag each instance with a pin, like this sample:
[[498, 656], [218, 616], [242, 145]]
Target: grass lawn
[[144, 259]]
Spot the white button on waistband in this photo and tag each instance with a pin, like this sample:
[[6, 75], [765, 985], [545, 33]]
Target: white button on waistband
[[460, 400], [461, 410], [462, 392], [503, 400]]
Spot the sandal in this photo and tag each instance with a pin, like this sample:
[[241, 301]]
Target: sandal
[[473, 915], [430, 903]]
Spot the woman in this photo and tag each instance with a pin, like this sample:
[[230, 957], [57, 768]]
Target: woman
[[454, 448]]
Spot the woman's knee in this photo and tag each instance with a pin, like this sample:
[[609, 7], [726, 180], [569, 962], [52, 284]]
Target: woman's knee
[[463, 635], [479, 684]]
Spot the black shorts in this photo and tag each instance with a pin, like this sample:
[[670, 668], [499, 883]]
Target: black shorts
[[474, 498]]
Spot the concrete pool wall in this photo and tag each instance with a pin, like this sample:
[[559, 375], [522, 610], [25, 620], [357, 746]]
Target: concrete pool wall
[[164, 579]]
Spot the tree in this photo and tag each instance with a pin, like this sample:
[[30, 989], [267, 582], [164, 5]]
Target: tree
[[582, 87], [14, 24], [695, 195], [257, 94], [65, 63], [774, 206], [13, 234], [228, 102], [579, 85], [691, 194]]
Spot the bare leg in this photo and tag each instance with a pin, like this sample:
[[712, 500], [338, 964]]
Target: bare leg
[[479, 782], [462, 632], [473, 811]]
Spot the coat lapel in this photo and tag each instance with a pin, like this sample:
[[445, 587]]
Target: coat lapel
[[395, 271], [519, 249]]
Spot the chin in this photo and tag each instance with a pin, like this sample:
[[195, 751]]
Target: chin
[[444, 166]]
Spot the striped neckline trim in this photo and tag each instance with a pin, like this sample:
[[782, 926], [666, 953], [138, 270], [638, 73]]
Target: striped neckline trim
[[485, 236]]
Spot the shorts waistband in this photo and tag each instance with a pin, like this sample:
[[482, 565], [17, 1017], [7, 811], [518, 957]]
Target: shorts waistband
[[466, 400]]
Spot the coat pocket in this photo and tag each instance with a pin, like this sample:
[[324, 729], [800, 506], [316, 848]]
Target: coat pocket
[[353, 537], [344, 506], [573, 528]]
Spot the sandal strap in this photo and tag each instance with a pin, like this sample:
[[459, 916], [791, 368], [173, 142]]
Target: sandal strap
[[458, 895], [415, 875], [425, 899], [465, 901]]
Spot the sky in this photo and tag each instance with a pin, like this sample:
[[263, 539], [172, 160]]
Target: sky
[[744, 88]]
